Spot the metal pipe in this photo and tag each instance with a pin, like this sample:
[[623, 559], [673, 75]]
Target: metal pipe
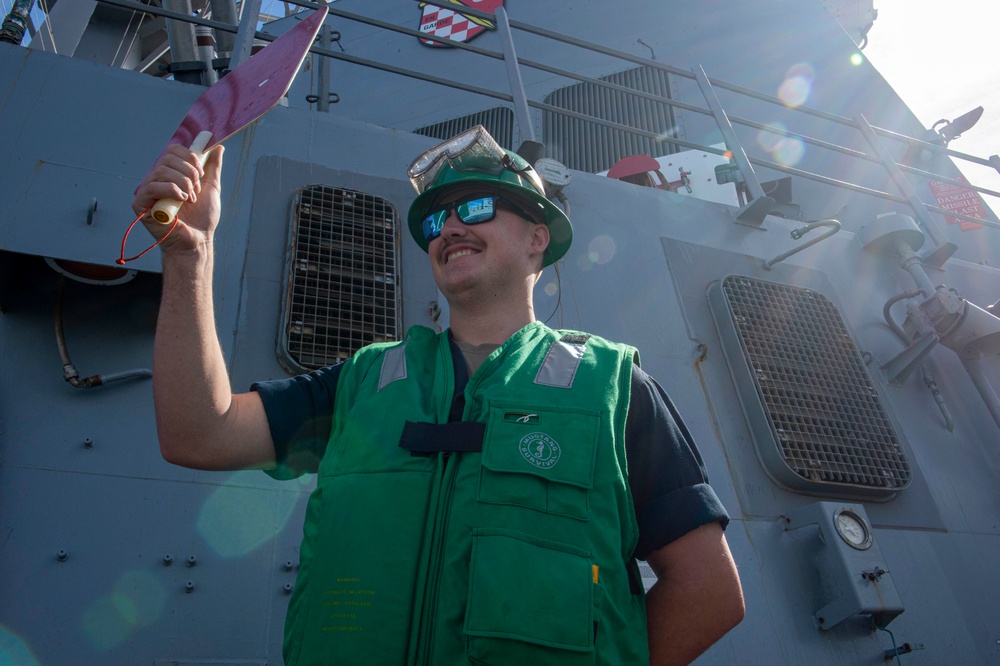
[[206, 53], [989, 395], [14, 26], [514, 77], [799, 233], [224, 11], [910, 262], [181, 36], [245, 34]]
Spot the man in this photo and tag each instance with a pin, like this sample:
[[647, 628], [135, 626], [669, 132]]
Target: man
[[483, 493]]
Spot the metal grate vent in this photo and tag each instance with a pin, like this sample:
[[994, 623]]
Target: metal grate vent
[[341, 289], [817, 420], [499, 122], [592, 147]]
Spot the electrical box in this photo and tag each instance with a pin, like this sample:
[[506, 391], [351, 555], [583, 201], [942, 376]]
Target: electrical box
[[850, 565]]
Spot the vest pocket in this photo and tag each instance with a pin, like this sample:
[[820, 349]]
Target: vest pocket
[[540, 458], [531, 601]]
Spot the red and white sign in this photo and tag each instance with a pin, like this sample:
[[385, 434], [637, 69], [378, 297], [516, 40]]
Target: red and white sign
[[961, 200], [454, 25]]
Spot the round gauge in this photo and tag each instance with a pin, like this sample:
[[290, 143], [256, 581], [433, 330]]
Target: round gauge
[[853, 529]]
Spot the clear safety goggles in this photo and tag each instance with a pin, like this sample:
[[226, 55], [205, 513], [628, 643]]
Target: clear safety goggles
[[472, 150], [473, 209]]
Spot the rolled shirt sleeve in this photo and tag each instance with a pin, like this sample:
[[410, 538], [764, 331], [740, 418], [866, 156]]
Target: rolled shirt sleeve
[[667, 475]]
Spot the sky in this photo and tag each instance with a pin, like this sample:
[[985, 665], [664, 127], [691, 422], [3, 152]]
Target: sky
[[941, 59]]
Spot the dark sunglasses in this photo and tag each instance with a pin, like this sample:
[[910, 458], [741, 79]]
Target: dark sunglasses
[[473, 209]]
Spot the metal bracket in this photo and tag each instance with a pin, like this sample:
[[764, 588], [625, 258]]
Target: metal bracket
[[754, 213], [901, 366], [935, 258]]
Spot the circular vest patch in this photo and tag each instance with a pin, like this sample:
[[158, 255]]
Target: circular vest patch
[[540, 450]]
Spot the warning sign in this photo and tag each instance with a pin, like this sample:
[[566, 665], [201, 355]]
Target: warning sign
[[961, 200]]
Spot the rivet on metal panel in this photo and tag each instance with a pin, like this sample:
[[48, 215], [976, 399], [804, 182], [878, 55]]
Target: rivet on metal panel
[[287, 566], [191, 560], [62, 555], [287, 588], [189, 586], [168, 559], [88, 443]]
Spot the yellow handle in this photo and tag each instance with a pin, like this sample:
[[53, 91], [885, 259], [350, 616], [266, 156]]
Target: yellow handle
[[165, 210]]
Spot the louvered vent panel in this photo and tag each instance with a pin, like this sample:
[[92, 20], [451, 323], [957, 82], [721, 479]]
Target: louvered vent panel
[[499, 122], [342, 282], [589, 146], [823, 428]]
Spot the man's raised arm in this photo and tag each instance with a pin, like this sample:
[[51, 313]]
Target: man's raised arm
[[199, 421]]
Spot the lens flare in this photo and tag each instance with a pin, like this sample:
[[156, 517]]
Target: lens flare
[[790, 152], [795, 89], [104, 624], [770, 141], [857, 59], [786, 150], [13, 650], [136, 600], [551, 289], [601, 249], [239, 517]]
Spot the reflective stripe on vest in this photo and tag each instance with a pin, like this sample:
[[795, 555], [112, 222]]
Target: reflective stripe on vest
[[562, 361], [393, 366]]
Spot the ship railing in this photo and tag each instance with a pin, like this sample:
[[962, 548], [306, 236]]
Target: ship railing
[[734, 150]]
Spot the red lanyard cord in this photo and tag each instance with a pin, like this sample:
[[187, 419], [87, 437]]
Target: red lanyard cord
[[121, 259]]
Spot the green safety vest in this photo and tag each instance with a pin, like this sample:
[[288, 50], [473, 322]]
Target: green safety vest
[[520, 553]]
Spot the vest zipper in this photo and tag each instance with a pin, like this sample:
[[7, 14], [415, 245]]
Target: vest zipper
[[438, 540]]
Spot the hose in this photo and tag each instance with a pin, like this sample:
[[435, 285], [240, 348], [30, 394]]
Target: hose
[[70, 372], [896, 328]]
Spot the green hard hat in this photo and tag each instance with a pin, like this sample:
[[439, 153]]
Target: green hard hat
[[513, 176]]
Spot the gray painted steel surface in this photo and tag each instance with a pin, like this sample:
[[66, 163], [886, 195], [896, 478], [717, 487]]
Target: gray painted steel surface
[[89, 511]]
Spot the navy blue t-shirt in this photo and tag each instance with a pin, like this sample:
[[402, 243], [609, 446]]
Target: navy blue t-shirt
[[666, 473]]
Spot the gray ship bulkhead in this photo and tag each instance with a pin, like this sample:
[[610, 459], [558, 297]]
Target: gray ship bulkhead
[[113, 556]]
